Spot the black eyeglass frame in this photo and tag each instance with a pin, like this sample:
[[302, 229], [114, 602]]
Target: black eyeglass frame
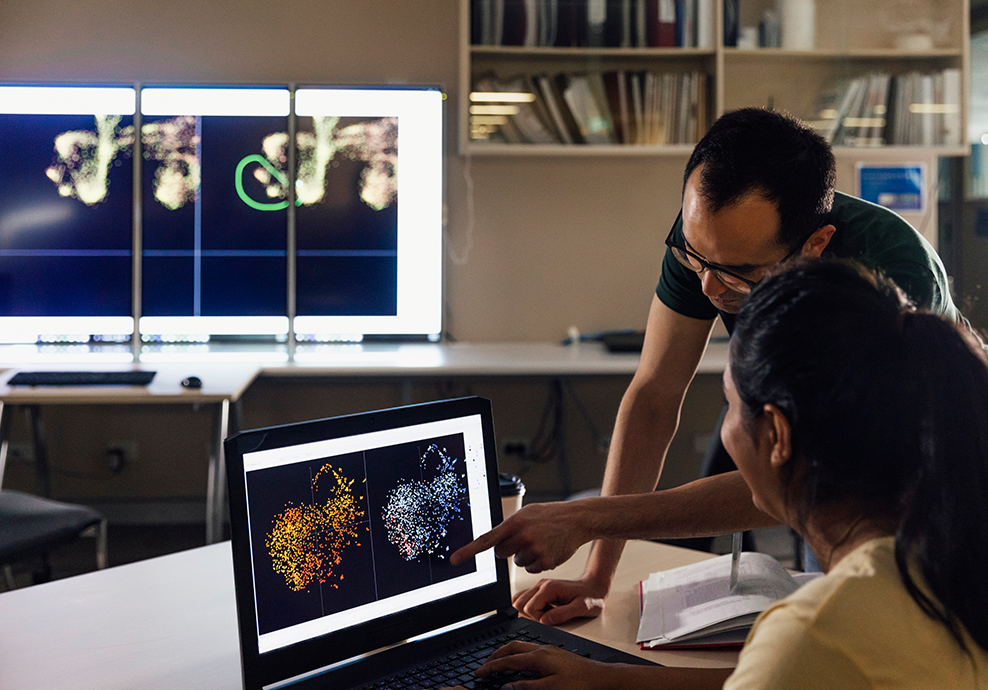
[[713, 268]]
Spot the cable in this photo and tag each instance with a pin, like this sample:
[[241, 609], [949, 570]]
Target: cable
[[463, 258]]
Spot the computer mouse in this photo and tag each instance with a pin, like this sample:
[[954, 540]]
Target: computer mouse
[[192, 382]]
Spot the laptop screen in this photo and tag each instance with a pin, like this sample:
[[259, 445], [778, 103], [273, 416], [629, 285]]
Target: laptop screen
[[346, 527]]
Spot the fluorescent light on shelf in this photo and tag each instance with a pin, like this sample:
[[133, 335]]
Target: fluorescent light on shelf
[[481, 120], [494, 109], [501, 97], [864, 121], [934, 108]]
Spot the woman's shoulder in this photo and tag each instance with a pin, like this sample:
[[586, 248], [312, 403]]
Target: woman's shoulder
[[859, 620]]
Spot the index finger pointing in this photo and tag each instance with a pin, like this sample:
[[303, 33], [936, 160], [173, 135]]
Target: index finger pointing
[[481, 543]]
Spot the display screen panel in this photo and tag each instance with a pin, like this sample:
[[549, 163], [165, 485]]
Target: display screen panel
[[214, 228], [350, 530], [66, 212], [369, 216]]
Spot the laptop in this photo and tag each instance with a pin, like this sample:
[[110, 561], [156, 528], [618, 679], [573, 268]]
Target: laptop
[[342, 530]]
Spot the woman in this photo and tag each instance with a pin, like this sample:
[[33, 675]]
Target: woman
[[863, 424]]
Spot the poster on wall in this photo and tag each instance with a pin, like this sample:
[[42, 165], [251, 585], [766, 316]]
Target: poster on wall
[[897, 187]]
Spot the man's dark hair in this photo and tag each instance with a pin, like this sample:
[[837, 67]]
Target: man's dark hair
[[757, 151]]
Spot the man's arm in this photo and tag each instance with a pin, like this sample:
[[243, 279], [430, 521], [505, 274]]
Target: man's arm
[[646, 422], [543, 535]]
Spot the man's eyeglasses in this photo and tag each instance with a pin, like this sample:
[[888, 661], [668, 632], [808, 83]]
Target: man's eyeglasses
[[698, 264]]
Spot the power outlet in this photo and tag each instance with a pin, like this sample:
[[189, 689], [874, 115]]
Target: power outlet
[[20, 453], [119, 454]]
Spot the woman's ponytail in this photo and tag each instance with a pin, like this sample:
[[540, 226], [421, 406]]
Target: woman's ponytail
[[943, 534]]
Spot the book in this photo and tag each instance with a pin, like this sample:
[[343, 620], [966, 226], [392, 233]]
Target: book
[[596, 23], [878, 108], [479, 22], [824, 114], [528, 120], [541, 108], [952, 135], [532, 27], [595, 128], [925, 110], [619, 24], [662, 23], [565, 128], [514, 23], [616, 85], [693, 605], [599, 92], [705, 24], [571, 23], [641, 23], [637, 108], [845, 109], [731, 23], [689, 24]]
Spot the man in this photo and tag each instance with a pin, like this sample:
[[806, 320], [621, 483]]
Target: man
[[758, 190]]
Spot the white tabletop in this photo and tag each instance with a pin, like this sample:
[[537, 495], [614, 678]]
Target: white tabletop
[[220, 381], [171, 622], [617, 626], [168, 622], [354, 359]]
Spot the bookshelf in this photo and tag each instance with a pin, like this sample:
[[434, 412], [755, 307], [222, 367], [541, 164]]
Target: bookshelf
[[852, 41]]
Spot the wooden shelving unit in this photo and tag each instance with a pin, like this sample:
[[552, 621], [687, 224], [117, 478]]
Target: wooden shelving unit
[[851, 38]]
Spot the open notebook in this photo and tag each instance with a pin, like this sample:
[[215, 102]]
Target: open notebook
[[342, 530]]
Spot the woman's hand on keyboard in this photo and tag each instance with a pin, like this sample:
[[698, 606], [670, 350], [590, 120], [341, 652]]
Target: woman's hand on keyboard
[[555, 669]]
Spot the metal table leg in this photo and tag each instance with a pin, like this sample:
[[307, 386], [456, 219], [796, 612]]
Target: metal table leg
[[42, 469], [216, 486], [5, 412]]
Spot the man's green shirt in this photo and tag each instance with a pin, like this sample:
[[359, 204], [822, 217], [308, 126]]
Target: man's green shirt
[[874, 236]]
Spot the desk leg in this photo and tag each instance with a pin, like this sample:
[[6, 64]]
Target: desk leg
[[4, 436], [42, 471], [562, 458], [216, 488]]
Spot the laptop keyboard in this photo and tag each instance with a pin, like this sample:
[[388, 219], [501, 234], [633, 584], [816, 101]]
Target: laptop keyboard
[[457, 668]]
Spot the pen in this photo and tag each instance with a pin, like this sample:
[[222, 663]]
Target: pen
[[735, 559]]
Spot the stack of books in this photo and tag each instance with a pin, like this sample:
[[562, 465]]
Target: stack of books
[[616, 107], [593, 23], [881, 109]]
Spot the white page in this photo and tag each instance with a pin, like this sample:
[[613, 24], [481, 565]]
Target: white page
[[684, 600]]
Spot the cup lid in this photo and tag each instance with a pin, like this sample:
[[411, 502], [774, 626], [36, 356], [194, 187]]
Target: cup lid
[[511, 484]]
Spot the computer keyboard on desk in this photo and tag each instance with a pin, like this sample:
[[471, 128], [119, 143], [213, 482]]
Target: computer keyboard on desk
[[457, 668], [135, 377]]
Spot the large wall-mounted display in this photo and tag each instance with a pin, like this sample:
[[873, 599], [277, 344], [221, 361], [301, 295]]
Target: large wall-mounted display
[[248, 217]]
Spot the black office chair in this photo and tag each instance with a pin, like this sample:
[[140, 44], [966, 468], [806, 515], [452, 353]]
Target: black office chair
[[30, 526]]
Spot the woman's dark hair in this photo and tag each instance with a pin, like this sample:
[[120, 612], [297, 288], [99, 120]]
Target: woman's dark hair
[[773, 154], [888, 408]]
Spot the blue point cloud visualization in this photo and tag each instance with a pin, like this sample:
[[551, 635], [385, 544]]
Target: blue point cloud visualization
[[357, 528]]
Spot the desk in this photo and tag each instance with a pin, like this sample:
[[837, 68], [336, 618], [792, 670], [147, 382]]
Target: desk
[[617, 626], [227, 371], [221, 388], [171, 622]]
